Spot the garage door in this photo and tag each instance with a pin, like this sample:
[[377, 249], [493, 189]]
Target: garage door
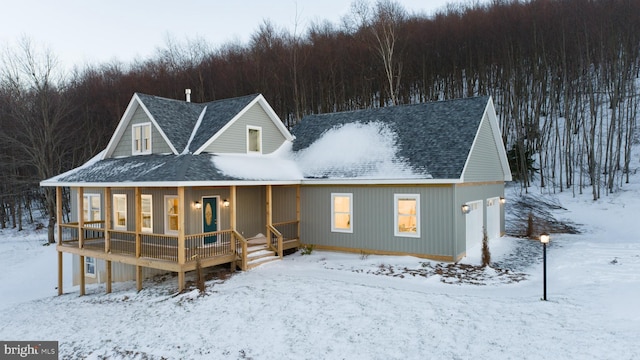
[[474, 224], [493, 218]]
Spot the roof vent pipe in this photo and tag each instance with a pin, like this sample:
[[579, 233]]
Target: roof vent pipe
[[188, 93]]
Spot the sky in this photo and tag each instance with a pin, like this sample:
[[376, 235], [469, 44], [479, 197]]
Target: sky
[[81, 32]]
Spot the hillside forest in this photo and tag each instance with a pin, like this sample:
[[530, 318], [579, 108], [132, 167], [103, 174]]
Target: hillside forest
[[563, 75]]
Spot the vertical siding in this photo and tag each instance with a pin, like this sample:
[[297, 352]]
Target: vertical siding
[[194, 216], [467, 193], [484, 162], [284, 203], [119, 272], [373, 219], [158, 144], [251, 212], [234, 139]]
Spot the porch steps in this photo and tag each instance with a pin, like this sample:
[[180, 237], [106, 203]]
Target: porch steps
[[258, 255], [263, 260]]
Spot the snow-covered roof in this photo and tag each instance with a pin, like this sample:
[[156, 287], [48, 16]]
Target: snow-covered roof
[[430, 140], [422, 143]]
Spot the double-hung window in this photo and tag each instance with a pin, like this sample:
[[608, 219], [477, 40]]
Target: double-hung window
[[171, 214], [147, 213], [342, 212], [254, 139], [141, 139], [90, 266], [91, 207], [120, 211], [407, 215]]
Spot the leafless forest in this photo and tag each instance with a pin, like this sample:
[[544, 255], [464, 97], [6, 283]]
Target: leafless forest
[[563, 75]]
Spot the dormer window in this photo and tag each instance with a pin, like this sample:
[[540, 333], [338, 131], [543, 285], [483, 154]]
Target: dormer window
[[141, 139], [254, 139]]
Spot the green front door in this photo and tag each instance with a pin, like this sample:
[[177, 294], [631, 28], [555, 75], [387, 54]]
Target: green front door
[[210, 218]]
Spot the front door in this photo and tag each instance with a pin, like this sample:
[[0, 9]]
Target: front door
[[210, 218]]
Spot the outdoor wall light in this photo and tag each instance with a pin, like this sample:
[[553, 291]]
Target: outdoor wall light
[[197, 205], [466, 209], [225, 203], [502, 200]]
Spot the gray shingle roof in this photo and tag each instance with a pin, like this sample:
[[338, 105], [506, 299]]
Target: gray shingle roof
[[435, 138], [218, 114], [176, 118], [148, 168]]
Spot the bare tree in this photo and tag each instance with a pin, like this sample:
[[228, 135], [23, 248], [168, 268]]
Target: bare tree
[[43, 138]]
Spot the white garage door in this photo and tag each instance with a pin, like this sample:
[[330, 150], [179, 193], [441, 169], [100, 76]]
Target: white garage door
[[474, 224], [493, 218]]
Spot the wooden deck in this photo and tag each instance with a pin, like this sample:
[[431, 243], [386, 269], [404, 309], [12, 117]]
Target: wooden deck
[[160, 251]]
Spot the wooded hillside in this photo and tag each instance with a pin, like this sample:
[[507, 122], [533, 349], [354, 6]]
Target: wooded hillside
[[563, 75]]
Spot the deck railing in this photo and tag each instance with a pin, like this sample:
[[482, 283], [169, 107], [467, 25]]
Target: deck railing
[[159, 246], [288, 229], [241, 249], [208, 244], [156, 246], [123, 242], [275, 242]]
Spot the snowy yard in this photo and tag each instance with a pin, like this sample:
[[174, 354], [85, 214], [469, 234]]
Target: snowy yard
[[348, 306]]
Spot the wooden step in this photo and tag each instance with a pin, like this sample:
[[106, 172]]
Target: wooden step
[[255, 248], [262, 260], [259, 254]]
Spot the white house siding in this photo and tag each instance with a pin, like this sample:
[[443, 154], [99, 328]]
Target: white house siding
[[158, 144], [466, 193], [373, 219], [234, 139], [483, 163]]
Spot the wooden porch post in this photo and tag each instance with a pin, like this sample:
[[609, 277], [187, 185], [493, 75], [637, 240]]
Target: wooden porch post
[[107, 233], [60, 292], [138, 223], [269, 212], [107, 219], [298, 209], [81, 271], [181, 242], [81, 237], [80, 217], [59, 218], [232, 207], [232, 223], [109, 280]]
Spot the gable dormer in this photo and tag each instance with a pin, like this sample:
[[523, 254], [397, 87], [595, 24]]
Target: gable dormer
[[138, 133], [255, 129]]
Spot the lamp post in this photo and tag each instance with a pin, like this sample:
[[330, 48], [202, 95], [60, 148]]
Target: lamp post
[[544, 239]]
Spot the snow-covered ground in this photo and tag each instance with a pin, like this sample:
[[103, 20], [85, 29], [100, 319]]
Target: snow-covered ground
[[347, 306]]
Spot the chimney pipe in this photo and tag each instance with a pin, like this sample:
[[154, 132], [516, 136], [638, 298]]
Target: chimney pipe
[[188, 93]]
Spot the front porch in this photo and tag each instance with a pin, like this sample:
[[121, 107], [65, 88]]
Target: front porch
[[179, 252]]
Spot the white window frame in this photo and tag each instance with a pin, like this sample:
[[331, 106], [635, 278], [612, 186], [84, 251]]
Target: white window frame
[[117, 226], [259, 129], [396, 215], [333, 213], [89, 209], [142, 212], [143, 150], [166, 215], [88, 260]]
